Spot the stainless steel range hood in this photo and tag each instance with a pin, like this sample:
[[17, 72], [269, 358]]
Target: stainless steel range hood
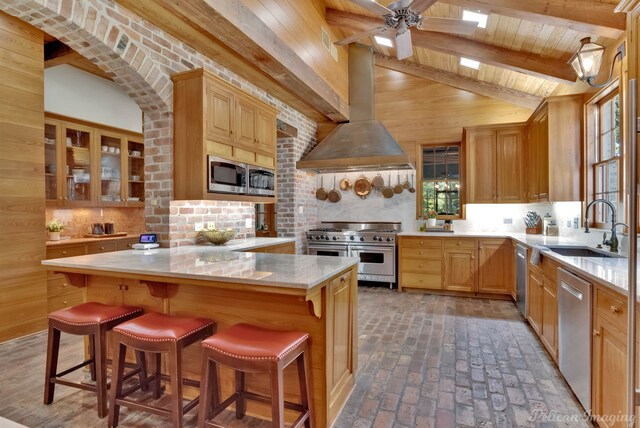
[[364, 143]]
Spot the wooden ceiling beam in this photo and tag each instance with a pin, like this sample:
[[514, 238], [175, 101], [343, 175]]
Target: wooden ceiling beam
[[244, 33], [486, 89], [57, 53], [585, 16], [523, 62]]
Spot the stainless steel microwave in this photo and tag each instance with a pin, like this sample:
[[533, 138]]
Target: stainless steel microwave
[[226, 176], [261, 181]]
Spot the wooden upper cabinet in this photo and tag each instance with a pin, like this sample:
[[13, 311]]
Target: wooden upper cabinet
[[554, 150], [510, 178], [214, 118], [219, 114], [495, 163]]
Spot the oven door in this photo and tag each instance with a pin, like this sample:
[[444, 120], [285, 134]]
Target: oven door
[[262, 181], [328, 250], [375, 260], [226, 176]]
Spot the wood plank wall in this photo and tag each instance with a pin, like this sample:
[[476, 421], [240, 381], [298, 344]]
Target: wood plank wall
[[418, 111], [23, 295]]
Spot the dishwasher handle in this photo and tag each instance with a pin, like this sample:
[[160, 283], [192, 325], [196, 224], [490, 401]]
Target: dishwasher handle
[[569, 289]]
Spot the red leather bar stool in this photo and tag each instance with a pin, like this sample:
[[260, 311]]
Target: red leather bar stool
[[93, 320], [158, 334], [250, 349]]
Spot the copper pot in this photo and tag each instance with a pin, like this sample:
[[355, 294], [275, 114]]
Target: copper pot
[[345, 184], [334, 195], [387, 191], [321, 193], [397, 189], [378, 182], [412, 189], [362, 187]]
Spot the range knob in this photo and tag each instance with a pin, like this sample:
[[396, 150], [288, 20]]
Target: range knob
[[362, 238], [335, 239], [351, 237], [317, 238], [389, 239], [326, 237], [375, 238]]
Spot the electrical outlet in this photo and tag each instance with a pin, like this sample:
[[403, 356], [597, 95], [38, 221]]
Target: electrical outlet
[[507, 220], [153, 202], [568, 223], [576, 222], [301, 209], [247, 223], [198, 226]]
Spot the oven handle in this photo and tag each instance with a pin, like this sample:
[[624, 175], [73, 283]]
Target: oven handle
[[328, 247], [378, 248]]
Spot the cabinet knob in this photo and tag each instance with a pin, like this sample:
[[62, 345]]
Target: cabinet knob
[[420, 266], [64, 284], [125, 287], [129, 245], [596, 333], [101, 248], [421, 242], [342, 280], [64, 252], [615, 309], [420, 280], [473, 257], [65, 302], [421, 252], [60, 197]]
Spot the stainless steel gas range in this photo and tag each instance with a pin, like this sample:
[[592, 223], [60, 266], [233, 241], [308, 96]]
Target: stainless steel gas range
[[373, 243]]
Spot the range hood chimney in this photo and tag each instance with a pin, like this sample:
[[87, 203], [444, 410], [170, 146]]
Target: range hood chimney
[[363, 143]]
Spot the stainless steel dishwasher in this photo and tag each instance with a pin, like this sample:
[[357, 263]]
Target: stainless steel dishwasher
[[574, 334], [521, 279]]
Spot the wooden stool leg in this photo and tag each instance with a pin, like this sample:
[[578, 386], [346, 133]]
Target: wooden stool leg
[[304, 370], [175, 372], [141, 362], [100, 368], [119, 355], [277, 395], [241, 401], [207, 388], [53, 348], [92, 356], [157, 386]]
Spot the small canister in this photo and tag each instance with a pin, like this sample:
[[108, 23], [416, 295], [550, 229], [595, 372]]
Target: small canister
[[109, 229]]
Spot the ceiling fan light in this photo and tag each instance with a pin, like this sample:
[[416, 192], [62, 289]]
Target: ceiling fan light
[[466, 62], [480, 18], [383, 41]]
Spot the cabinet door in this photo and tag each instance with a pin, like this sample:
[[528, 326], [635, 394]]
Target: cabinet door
[[55, 172], [266, 132], [459, 269], [543, 156], [532, 161], [219, 113], [609, 372], [549, 334], [79, 147], [481, 166], [510, 185], [534, 301], [494, 257], [111, 164], [245, 125], [135, 172]]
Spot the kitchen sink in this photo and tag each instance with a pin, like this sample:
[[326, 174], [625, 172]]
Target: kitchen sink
[[582, 252]]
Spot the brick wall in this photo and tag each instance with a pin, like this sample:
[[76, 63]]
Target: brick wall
[[78, 221], [141, 59], [185, 214]]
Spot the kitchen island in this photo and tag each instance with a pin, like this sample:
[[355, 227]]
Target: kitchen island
[[310, 293]]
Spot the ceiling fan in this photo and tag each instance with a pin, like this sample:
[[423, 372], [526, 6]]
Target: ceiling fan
[[400, 16]]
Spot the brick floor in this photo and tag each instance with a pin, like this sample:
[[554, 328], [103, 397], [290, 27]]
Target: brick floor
[[424, 361], [438, 361]]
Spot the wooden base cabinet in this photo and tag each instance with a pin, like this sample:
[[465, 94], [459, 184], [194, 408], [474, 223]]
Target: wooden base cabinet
[[420, 263], [460, 265], [549, 334], [494, 266], [535, 289], [542, 303]]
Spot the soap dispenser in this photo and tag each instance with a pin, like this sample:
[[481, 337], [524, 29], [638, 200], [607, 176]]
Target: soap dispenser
[[546, 221]]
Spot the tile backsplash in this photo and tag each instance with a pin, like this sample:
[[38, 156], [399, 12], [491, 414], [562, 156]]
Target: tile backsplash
[[184, 215], [78, 221]]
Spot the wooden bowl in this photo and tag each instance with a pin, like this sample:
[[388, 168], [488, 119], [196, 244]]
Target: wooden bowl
[[217, 237]]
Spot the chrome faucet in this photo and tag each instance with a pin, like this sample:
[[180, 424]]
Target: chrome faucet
[[612, 243]]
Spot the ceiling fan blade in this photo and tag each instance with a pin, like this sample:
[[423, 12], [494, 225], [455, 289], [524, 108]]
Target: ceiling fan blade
[[448, 25], [419, 6], [372, 6], [404, 49], [360, 35]]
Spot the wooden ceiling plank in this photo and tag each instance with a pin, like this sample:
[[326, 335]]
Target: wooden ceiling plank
[[57, 53], [585, 16], [461, 82], [533, 64]]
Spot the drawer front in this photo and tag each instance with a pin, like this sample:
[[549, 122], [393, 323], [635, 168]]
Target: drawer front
[[57, 285], [421, 266], [126, 244], [421, 280], [421, 253], [411, 242], [460, 243], [64, 301], [59, 252], [101, 247], [346, 277], [612, 307]]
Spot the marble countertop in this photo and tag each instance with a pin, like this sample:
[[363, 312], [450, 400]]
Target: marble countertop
[[225, 263], [611, 272]]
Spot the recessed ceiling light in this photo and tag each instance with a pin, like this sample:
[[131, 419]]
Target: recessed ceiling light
[[469, 63], [480, 18], [383, 41]]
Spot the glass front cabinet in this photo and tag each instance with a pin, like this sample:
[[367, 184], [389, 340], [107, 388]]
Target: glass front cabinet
[[92, 166]]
